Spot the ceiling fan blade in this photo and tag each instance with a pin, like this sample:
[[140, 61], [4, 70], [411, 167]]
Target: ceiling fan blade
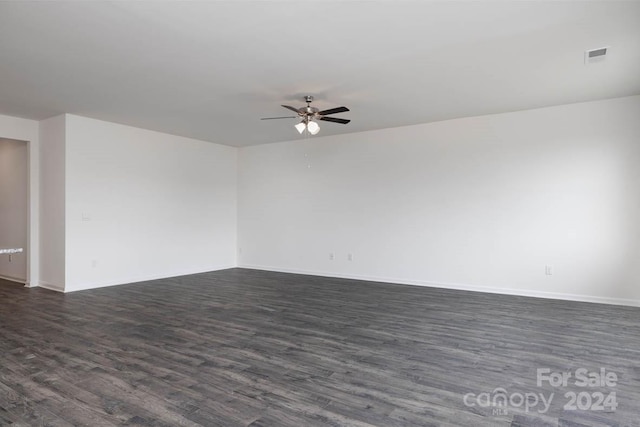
[[291, 108], [333, 111], [335, 120], [274, 118]]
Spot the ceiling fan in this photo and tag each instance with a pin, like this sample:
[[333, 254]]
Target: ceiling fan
[[310, 115]]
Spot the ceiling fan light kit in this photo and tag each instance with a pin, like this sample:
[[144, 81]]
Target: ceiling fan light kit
[[310, 115], [313, 127], [301, 127]]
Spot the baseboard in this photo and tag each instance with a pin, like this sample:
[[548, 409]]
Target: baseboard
[[13, 279], [137, 279], [49, 286], [458, 286]]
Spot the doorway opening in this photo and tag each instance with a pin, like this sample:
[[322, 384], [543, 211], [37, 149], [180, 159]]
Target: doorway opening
[[14, 210]]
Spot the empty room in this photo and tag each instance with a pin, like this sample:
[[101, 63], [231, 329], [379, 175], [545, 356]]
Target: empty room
[[320, 213]]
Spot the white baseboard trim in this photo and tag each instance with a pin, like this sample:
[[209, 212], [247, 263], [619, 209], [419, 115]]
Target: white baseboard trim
[[13, 279], [49, 286], [459, 286], [137, 279]]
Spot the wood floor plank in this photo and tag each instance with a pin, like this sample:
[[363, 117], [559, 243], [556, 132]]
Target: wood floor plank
[[251, 348]]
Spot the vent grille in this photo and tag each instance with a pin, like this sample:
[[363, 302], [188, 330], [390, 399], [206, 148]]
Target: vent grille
[[597, 52], [595, 55]]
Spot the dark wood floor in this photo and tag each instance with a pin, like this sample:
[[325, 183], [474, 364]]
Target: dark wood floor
[[250, 348]]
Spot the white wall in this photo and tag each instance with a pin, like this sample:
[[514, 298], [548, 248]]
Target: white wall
[[27, 130], [52, 203], [14, 207], [477, 203], [143, 205]]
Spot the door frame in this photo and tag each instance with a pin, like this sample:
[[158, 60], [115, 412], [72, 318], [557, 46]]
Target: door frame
[[28, 131]]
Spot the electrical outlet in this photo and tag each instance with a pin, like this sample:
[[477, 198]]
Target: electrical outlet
[[349, 257], [332, 256], [548, 270]]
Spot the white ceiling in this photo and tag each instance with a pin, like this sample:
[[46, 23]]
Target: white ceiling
[[210, 70]]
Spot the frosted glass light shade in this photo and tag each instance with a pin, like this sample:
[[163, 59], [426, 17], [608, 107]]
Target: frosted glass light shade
[[300, 127], [313, 128]]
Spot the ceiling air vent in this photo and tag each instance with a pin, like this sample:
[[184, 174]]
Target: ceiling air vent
[[595, 55]]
